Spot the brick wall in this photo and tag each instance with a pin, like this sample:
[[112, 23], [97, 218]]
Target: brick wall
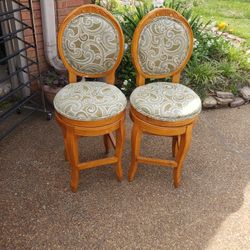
[[62, 9]]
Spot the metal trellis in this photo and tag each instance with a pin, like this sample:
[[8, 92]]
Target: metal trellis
[[20, 57]]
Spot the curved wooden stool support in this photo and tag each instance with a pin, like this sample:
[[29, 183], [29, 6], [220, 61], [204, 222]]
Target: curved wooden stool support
[[73, 129], [136, 143], [175, 145], [181, 132], [108, 141]]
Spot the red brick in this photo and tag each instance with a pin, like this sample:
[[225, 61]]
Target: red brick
[[25, 15], [27, 32], [38, 22], [43, 66], [39, 38], [36, 5], [74, 3], [39, 30], [63, 8], [40, 44], [29, 39], [63, 12], [61, 5], [60, 20], [28, 22], [37, 14], [71, 3]]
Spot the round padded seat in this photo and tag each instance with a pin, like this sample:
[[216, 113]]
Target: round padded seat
[[89, 101], [166, 101]]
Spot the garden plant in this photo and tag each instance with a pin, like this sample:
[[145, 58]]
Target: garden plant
[[215, 65]]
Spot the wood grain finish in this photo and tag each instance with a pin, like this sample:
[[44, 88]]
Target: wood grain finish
[[73, 129], [180, 131]]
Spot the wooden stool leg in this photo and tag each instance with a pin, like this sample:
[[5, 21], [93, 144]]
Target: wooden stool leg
[[74, 160], [120, 141], [174, 139], [174, 146], [107, 142], [66, 151], [185, 141], [66, 146], [136, 144]]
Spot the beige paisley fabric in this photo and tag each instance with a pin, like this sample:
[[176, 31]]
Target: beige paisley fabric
[[166, 101], [90, 44], [163, 46], [89, 101]]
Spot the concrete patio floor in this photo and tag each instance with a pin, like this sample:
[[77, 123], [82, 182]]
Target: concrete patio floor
[[210, 210]]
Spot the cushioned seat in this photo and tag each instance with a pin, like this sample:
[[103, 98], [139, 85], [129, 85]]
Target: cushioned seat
[[166, 101], [89, 101]]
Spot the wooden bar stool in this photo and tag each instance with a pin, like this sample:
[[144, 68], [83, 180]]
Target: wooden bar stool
[[91, 44], [161, 47]]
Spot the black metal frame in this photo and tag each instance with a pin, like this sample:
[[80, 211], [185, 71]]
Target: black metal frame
[[27, 101]]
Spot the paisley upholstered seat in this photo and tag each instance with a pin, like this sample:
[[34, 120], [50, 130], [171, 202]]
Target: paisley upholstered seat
[[89, 101], [166, 101]]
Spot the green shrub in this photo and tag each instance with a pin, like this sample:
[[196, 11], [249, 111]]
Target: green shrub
[[215, 64], [110, 5], [126, 73], [131, 16], [129, 19], [228, 69], [202, 77], [238, 55]]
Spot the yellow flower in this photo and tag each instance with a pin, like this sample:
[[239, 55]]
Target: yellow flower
[[222, 25]]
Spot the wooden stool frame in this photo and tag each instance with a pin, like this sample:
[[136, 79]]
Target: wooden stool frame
[[73, 129], [180, 131]]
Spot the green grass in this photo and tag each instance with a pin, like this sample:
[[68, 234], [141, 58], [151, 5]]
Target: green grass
[[234, 12]]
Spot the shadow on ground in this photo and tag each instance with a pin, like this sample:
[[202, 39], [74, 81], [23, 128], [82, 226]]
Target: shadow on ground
[[39, 211]]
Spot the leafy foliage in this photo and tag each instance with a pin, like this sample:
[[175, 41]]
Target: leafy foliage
[[54, 79], [203, 76], [110, 5], [215, 64]]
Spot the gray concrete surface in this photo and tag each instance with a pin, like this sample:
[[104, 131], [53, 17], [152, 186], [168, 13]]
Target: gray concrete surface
[[210, 210]]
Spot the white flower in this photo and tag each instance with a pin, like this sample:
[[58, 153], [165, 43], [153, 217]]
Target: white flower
[[196, 43], [125, 2], [122, 88], [158, 3], [125, 83], [209, 43]]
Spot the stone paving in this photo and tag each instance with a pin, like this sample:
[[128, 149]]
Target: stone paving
[[210, 210], [222, 99]]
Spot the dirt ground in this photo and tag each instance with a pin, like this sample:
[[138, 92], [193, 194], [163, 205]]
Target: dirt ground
[[210, 210]]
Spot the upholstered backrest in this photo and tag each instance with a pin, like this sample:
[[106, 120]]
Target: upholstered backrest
[[162, 43], [90, 41]]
